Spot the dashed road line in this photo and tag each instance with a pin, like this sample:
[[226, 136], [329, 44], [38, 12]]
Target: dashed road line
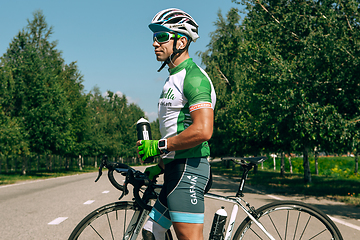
[[89, 202], [105, 191], [57, 221]]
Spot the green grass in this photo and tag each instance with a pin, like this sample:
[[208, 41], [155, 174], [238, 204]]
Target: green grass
[[10, 178], [336, 185]]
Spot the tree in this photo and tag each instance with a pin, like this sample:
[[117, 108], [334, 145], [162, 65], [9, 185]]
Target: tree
[[39, 98], [44, 110], [113, 120], [287, 90], [314, 41], [12, 138]]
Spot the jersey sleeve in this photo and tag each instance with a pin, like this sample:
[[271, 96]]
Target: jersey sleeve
[[197, 90]]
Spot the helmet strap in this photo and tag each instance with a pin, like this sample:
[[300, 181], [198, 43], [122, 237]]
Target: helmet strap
[[175, 52]]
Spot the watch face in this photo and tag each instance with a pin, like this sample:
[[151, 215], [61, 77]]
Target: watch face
[[162, 143]]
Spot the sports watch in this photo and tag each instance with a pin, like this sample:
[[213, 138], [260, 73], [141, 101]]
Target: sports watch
[[162, 145]]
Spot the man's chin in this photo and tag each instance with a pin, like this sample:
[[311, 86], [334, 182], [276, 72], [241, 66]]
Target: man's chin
[[160, 59]]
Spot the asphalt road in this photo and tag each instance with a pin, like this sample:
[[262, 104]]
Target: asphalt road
[[50, 209]]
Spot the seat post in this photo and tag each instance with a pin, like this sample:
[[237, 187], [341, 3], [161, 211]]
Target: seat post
[[247, 168]]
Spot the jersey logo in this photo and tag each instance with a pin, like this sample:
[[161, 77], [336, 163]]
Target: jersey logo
[[199, 105], [168, 95]]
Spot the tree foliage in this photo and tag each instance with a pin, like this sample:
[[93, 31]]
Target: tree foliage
[[43, 107], [294, 84]]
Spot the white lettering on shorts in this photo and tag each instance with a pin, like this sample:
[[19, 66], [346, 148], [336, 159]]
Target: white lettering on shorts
[[193, 181]]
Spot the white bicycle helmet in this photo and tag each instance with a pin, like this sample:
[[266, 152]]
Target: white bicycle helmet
[[175, 20]]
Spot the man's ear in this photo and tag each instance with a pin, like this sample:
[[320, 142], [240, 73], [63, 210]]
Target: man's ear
[[183, 42]]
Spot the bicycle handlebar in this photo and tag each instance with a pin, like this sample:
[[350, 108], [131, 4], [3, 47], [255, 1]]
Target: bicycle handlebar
[[132, 176]]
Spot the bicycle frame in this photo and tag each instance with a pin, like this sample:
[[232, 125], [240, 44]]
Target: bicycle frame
[[142, 208], [236, 204]]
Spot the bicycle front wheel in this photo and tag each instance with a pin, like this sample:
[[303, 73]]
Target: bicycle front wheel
[[109, 222], [289, 220]]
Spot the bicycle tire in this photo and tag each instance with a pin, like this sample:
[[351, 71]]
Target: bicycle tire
[[108, 222], [289, 220]]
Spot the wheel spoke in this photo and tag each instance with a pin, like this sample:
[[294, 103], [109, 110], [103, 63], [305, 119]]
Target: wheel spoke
[[112, 234], [274, 226], [317, 234], [286, 225], [297, 223], [305, 228], [125, 223], [97, 232], [256, 233]]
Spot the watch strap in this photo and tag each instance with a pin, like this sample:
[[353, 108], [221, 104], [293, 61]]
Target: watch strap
[[162, 145]]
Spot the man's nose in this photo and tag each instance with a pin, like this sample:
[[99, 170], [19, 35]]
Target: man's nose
[[155, 44]]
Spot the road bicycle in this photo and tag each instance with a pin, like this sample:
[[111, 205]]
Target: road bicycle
[[276, 220]]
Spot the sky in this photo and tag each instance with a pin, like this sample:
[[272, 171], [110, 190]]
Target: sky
[[110, 39]]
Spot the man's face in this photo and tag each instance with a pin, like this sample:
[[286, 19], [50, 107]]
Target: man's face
[[163, 50]]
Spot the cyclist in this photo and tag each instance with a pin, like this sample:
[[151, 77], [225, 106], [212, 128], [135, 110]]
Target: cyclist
[[186, 112]]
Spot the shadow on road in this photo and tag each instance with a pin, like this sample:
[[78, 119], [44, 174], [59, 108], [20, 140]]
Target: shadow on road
[[330, 207]]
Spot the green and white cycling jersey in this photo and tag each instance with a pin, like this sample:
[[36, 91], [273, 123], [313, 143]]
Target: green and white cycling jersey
[[187, 89]]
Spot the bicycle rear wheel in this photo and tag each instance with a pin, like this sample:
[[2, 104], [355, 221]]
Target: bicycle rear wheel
[[289, 220]]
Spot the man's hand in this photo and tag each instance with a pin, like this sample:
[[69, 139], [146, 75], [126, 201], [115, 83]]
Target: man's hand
[[148, 148], [153, 171]]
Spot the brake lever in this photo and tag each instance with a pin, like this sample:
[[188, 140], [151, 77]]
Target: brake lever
[[100, 172], [126, 190]]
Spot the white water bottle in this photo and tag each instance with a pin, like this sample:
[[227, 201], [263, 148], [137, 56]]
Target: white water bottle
[[218, 225], [144, 133]]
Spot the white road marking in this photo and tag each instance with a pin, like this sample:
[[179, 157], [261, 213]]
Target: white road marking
[[57, 221], [89, 202], [260, 192], [274, 197], [345, 223], [105, 191]]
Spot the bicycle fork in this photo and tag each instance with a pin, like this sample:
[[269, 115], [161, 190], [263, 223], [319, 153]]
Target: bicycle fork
[[135, 225]]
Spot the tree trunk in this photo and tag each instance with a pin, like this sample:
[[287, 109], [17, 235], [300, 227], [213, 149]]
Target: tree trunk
[[273, 155], [306, 164], [7, 164], [316, 162], [38, 162], [15, 162], [70, 162], [282, 168], [80, 162], [291, 167], [356, 162], [66, 163], [50, 163], [24, 167]]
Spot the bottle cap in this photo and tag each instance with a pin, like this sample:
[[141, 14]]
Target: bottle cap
[[142, 120]]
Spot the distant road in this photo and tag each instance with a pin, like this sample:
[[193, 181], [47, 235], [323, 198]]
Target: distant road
[[50, 209]]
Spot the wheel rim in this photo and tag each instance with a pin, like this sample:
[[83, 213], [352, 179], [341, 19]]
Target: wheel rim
[[289, 221]]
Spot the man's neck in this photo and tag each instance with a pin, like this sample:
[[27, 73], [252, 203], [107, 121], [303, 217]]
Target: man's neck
[[179, 59]]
